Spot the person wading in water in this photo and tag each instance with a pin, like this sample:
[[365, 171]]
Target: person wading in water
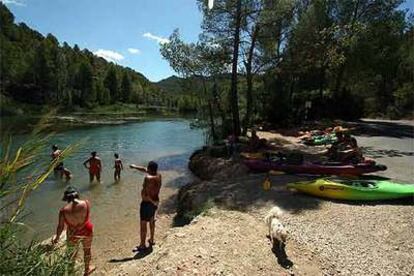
[[150, 201], [95, 167], [118, 166], [75, 215], [59, 169]]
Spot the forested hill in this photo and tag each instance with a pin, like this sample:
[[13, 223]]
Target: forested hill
[[40, 70], [171, 84]]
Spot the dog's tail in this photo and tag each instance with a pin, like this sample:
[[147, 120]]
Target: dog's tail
[[275, 212]]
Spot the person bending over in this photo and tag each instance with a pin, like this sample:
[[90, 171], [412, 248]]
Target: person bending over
[[59, 168]]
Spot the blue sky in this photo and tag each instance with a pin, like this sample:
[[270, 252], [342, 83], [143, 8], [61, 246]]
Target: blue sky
[[124, 31]]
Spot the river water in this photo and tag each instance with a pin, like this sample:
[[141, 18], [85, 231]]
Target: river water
[[115, 205]]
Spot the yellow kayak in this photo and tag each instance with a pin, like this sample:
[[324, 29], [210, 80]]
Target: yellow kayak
[[359, 189]]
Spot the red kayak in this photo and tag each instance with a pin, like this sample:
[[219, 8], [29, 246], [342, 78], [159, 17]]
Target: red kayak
[[314, 168]]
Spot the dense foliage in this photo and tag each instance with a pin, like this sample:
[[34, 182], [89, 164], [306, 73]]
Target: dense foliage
[[39, 70], [302, 59]]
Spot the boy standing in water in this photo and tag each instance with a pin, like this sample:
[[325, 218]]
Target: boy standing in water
[[95, 167], [118, 167], [149, 204]]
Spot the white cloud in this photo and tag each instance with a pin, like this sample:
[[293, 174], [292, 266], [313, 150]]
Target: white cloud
[[159, 39], [13, 2], [134, 51], [109, 55]]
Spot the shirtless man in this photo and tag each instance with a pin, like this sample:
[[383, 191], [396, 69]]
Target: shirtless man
[[75, 215], [95, 167], [150, 200], [118, 166], [59, 168]]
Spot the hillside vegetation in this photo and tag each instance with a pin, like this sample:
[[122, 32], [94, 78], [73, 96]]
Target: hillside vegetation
[[42, 71]]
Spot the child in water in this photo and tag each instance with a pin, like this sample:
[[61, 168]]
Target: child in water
[[118, 167]]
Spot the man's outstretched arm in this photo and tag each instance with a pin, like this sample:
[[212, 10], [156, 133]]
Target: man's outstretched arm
[[139, 168]]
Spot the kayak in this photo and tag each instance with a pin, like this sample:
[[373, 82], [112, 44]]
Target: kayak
[[314, 168], [346, 189]]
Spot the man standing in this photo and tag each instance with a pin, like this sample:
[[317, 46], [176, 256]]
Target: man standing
[[150, 200], [95, 167]]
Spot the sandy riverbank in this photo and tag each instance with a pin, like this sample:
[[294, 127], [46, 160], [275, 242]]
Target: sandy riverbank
[[325, 237], [229, 237]]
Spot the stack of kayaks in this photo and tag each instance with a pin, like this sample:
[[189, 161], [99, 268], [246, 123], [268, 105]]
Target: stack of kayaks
[[360, 189], [314, 168]]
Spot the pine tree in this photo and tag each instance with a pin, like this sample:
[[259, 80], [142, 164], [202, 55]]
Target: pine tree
[[126, 88], [111, 83]]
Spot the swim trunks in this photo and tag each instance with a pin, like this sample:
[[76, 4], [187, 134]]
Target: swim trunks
[[147, 210], [59, 166]]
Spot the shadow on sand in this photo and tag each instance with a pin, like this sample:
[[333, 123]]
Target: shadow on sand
[[383, 128], [379, 153], [246, 193], [140, 255], [281, 256], [406, 201]]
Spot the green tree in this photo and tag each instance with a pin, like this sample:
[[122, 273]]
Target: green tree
[[126, 88], [111, 83], [86, 84]]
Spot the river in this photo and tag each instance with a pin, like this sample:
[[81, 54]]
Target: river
[[169, 142]]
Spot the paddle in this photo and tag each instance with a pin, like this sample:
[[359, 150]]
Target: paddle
[[266, 183], [272, 172]]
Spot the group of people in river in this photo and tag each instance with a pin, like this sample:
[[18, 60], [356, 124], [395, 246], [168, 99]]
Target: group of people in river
[[93, 164], [75, 215]]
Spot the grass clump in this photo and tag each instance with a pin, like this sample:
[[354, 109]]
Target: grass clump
[[22, 170]]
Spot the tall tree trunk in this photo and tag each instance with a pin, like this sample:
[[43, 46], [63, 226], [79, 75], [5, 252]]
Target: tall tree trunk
[[249, 80], [216, 101], [234, 96], [210, 110]]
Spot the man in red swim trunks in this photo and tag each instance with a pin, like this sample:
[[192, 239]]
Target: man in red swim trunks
[[95, 167], [149, 204], [75, 215]]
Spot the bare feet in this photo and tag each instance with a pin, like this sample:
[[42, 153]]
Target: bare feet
[[91, 269], [139, 248]]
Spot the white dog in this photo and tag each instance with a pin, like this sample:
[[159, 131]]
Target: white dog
[[277, 232]]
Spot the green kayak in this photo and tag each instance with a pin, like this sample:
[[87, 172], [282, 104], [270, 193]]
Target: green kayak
[[360, 189], [322, 140]]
